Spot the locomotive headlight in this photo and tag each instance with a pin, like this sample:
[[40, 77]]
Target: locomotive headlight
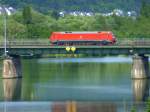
[[68, 49], [73, 49]]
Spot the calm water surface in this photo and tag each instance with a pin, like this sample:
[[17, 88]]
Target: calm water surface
[[100, 80]]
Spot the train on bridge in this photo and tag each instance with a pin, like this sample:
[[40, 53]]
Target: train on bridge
[[82, 38]]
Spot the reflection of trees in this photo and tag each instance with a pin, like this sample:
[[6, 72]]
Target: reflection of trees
[[12, 89], [96, 72], [31, 73], [76, 71], [70, 73]]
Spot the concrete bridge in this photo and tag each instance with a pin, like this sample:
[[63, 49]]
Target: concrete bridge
[[136, 47]]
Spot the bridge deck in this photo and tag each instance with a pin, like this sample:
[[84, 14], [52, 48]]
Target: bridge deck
[[126, 47], [116, 50]]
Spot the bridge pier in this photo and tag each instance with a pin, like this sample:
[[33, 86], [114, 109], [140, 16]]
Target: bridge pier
[[12, 67], [140, 67]]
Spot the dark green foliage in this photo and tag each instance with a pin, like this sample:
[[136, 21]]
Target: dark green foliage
[[54, 14], [82, 5], [27, 16], [148, 105], [133, 109], [145, 9]]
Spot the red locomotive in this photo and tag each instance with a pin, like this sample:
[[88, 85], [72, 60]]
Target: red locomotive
[[82, 38]]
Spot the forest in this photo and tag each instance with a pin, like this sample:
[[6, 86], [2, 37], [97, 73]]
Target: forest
[[29, 23], [76, 5]]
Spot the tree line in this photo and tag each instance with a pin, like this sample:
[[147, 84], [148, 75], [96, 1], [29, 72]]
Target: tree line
[[78, 5], [31, 24]]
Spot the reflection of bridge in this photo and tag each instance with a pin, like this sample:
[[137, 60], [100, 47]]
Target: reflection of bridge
[[136, 47]]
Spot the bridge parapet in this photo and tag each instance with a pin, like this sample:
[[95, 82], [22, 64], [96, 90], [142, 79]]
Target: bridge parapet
[[45, 42], [133, 42], [123, 46], [26, 43]]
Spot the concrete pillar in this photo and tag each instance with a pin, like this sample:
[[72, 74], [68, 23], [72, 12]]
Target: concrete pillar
[[140, 89], [12, 67], [140, 67]]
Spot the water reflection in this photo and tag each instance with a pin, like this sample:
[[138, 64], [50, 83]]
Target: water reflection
[[86, 79], [56, 92], [84, 107], [69, 106], [86, 60], [12, 89], [60, 107], [140, 90]]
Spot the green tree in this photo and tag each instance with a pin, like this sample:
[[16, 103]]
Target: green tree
[[100, 23], [54, 14], [145, 9], [27, 19], [16, 30], [27, 15], [41, 25]]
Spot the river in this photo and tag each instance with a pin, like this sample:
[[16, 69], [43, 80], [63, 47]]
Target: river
[[100, 81]]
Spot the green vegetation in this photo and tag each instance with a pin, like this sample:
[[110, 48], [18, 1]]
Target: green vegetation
[[147, 108], [31, 24], [148, 105], [133, 109]]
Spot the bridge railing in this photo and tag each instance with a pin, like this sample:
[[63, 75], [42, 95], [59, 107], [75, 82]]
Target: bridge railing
[[133, 42], [45, 42], [35, 42]]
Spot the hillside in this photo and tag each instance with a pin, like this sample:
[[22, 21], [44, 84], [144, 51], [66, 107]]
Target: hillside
[[31, 24], [80, 5]]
